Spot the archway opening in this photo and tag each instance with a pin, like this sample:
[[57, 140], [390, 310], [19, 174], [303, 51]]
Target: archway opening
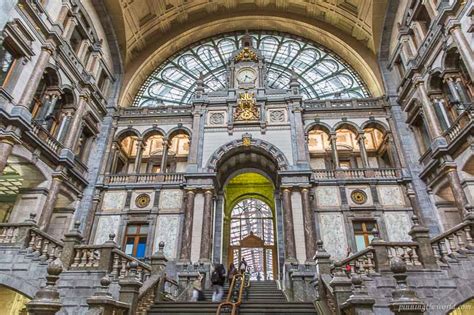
[[249, 224], [12, 302]]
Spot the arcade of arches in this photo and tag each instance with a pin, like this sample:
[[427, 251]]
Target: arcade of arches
[[327, 143]]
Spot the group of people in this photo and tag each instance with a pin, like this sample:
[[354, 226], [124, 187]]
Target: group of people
[[218, 278]]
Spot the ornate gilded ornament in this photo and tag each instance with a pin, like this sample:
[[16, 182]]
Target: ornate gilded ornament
[[142, 200], [246, 139], [246, 54], [247, 108], [359, 197]]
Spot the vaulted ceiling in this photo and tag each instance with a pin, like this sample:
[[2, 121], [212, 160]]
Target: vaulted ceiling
[[149, 31]]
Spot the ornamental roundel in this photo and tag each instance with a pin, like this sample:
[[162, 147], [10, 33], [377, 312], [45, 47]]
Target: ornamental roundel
[[142, 200], [359, 197]]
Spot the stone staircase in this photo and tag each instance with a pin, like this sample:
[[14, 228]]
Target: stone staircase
[[264, 297]]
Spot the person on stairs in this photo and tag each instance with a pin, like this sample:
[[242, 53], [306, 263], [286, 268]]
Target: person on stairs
[[198, 294], [218, 280], [231, 273], [243, 266]]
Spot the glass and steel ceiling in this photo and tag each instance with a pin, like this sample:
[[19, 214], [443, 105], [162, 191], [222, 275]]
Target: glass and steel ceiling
[[322, 74]]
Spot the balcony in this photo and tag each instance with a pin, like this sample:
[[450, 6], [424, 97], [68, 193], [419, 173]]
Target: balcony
[[357, 173], [459, 126], [146, 178], [42, 134], [344, 104]]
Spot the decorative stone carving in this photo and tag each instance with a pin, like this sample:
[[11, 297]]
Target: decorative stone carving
[[277, 116], [246, 54], [247, 108], [217, 118], [171, 199], [142, 200], [359, 196]]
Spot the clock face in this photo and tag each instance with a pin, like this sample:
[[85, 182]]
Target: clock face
[[246, 75]]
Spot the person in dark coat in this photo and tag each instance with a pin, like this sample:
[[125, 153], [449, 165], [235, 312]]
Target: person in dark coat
[[218, 280]]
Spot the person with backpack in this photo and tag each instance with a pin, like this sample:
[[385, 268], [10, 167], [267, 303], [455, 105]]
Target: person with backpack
[[218, 280]]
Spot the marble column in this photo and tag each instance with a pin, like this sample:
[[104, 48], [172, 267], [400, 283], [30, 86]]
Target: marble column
[[363, 151], [288, 226], [432, 121], [458, 192], [6, 148], [309, 225], [392, 151], [35, 78], [463, 46], [138, 157], [69, 28], [186, 237], [65, 121], [73, 132], [113, 155], [206, 236], [47, 213], [335, 156], [164, 157], [300, 137]]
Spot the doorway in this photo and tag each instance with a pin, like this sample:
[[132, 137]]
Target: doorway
[[250, 225]]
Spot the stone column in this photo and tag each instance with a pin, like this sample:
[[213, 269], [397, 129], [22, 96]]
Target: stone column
[[186, 238], [290, 249], [458, 192], [69, 28], [362, 149], [300, 138], [392, 151], [65, 121], [193, 151], [35, 78], [6, 148], [206, 236], [113, 155], [138, 157], [432, 121], [452, 88], [164, 157], [73, 132], [464, 48], [309, 226], [47, 213], [335, 156]]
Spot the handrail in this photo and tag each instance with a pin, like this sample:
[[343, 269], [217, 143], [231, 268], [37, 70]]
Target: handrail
[[243, 278]]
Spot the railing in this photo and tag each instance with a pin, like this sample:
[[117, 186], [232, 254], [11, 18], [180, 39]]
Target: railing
[[144, 178], [121, 266], [361, 262], [453, 243], [344, 104], [240, 282], [406, 251], [159, 110], [357, 173], [461, 123], [10, 233], [86, 256], [46, 137], [43, 246]]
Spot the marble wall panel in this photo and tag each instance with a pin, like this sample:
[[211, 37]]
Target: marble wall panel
[[197, 227], [317, 164], [327, 196], [297, 206], [105, 226], [398, 225], [391, 196], [333, 234], [167, 231], [171, 199], [114, 200]]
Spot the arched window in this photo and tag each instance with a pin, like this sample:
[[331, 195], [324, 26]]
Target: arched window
[[322, 74]]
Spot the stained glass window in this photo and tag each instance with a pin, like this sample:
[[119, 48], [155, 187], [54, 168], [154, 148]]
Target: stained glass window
[[322, 74]]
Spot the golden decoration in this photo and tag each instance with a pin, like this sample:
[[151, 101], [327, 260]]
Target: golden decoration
[[142, 200], [246, 108], [246, 55], [359, 197], [246, 140]]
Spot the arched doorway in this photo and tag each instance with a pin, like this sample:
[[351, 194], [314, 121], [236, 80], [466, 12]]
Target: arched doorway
[[12, 302], [249, 224]]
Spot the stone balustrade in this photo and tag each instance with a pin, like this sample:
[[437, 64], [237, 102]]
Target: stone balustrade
[[361, 262], [40, 133], [453, 243], [43, 245], [121, 266], [9, 233], [86, 257], [344, 104], [463, 122], [146, 178], [407, 252], [357, 173]]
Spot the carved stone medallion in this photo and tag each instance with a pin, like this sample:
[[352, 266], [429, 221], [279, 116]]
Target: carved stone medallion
[[142, 200], [359, 197]]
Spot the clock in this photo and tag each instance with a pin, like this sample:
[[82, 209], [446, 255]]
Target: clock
[[246, 75]]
